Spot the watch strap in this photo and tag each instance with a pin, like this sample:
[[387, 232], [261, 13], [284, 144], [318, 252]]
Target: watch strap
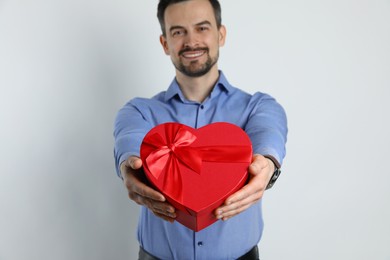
[[273, 179]]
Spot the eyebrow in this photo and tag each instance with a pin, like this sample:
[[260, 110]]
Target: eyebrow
[[178, 27], [203, 23], [175, 27]]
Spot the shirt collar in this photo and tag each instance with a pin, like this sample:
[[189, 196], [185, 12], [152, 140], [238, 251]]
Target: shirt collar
[[174, 89]]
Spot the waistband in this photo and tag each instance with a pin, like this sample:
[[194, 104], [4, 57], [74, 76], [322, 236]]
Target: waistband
[[252, 254]]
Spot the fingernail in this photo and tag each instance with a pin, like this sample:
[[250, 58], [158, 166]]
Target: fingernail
[[171, 214]]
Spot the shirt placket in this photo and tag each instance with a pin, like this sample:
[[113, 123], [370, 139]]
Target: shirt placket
[[201, 119], [201, 246]]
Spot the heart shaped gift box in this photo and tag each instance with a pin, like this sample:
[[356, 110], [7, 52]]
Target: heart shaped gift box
[[196, 169]]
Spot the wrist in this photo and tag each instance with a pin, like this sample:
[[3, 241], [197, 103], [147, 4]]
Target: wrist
[[274, 173]]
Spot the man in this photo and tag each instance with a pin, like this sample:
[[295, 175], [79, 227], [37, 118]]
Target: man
[[200, 94]]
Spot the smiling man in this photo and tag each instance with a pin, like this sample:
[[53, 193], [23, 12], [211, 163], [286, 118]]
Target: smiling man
[[192, 37], [200, 94]]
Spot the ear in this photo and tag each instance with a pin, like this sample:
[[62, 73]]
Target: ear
[[164, 44], [222, 35]]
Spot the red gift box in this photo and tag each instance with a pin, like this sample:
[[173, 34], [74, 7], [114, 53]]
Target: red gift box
[[196, 169]]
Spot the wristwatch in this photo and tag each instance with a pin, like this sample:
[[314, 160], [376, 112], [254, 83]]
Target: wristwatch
[[274, 177]]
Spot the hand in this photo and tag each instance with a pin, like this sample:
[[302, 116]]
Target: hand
[[135, 182], [260, 173]]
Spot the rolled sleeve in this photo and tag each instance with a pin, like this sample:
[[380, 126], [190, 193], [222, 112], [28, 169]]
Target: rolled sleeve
[[130, 128], [267, 127]]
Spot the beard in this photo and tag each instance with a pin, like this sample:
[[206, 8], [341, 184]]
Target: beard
[[195, 69]]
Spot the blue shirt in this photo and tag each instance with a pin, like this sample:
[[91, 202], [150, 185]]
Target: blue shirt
[[262, 118]]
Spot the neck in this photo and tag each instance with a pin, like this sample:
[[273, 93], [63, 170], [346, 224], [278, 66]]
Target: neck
[[197, 88]]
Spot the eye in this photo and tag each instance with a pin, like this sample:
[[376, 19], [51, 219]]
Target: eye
[[203, 28], [177, 33]]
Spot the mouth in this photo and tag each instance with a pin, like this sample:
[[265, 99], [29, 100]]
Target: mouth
[[192, 54]]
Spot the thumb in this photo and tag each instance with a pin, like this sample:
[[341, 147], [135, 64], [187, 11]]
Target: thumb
[[259, 162], [134, 162]]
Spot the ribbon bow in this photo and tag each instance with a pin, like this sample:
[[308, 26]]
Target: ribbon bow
[[168, 153], [175, 149]]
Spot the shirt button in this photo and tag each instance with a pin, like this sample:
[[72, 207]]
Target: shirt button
[[200, 243], [201, 106]]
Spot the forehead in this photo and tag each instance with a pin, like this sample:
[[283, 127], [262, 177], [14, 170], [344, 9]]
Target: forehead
[[188, 13]]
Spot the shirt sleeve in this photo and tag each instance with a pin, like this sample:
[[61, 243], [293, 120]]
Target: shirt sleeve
[[130, 127], [267, 127]]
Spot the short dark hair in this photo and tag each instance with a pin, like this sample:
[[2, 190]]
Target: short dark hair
[[163, 4]]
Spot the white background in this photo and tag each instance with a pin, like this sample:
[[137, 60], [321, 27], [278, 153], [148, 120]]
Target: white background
[[67, 66]]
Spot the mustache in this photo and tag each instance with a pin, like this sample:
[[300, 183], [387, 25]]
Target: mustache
[[193, 49]]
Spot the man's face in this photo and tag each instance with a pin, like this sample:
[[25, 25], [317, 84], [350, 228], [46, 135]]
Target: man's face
[[192, 37]]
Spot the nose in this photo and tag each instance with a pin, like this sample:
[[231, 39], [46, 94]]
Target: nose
[[191, 40]]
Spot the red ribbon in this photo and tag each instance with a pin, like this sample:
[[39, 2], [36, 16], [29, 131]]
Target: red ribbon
[[175, 149]]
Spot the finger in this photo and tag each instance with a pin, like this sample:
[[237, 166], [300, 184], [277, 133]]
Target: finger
[[253, 191], [163, 208], [238, 207], [256, 184], [134, 162], [165, 213], [238, 204], [246, 191], [164, 217], [250, 193], [135, 185], [158, 207], [259, 162], [231, 214], [149, 193]]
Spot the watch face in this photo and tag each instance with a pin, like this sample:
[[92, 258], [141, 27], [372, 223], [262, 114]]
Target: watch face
[[276, 174]]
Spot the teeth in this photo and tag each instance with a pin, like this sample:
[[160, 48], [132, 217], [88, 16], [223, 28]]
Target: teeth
[[193, 55]]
